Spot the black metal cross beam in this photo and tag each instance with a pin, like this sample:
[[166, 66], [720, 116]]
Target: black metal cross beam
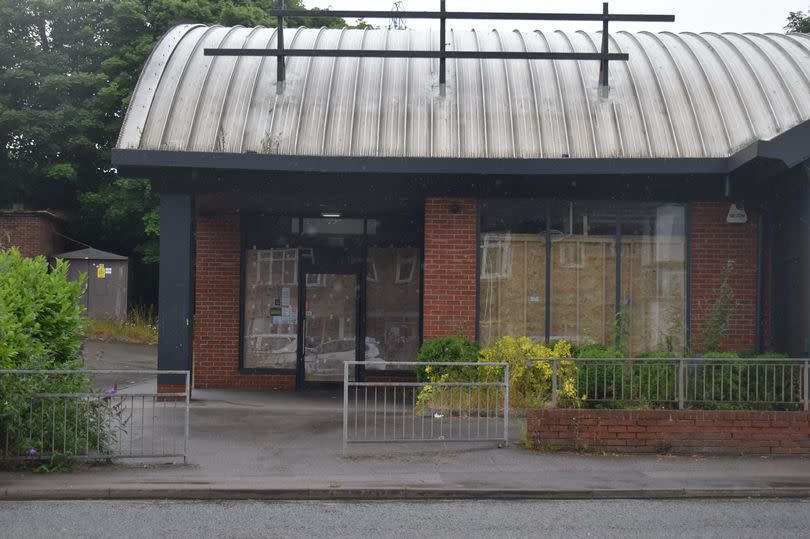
[[604, 56]]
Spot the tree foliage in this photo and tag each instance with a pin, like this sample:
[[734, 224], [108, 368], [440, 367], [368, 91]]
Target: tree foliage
[[798, 21], [67, 72]]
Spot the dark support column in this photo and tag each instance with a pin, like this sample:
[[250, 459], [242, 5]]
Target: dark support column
[[175, 293], [805, 261], [758, 346]]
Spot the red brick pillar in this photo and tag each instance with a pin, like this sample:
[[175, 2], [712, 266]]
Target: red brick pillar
[[714, 244], [216, 313], [450, 295]]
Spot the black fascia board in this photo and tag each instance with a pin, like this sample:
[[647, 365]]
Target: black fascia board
[[791, 148], [472, 15], [140, 159]]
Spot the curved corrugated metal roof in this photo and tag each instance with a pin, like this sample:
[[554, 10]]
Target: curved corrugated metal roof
[[679, 96]]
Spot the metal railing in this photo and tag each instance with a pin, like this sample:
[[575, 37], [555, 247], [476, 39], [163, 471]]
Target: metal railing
[[683, 382], [604, 56], [87, 415], [404, 411]]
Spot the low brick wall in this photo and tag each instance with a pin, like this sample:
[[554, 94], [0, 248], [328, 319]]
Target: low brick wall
[[671, 431]]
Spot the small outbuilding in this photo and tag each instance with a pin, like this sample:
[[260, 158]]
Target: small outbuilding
[[107, 287]]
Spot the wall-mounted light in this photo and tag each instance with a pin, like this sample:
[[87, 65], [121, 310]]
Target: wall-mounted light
[[330, 215], [737, 214]]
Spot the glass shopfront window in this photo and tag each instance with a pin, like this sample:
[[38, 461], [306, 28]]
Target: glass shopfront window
[[583, 272], [653, 271], [513, 271], [392, 304], [582, 289], [271, 308], [292, 260]]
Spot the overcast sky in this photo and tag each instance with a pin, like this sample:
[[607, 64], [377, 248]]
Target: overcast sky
[[690, 15]]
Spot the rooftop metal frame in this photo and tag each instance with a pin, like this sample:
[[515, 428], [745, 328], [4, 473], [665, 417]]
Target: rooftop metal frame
[[604, 56]]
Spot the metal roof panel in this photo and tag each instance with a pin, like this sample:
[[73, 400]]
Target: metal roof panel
[[680, 95]]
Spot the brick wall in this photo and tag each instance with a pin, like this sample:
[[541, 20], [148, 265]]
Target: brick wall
[[671, 431], [450, 267], [715, 243], [216, 313], [32, 232]]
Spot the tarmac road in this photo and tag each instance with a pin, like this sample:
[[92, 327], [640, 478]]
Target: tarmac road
[[467, 519]]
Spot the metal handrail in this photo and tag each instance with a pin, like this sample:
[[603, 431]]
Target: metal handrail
[[501, 388], [688, 380], [89, 371], [185, 395], [604, 56]]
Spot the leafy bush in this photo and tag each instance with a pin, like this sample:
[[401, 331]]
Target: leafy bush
[[43, 427], [595, 351], [720, 355], [530, 383], [41, 328], [39, 312], [455, 349], [714, 330]]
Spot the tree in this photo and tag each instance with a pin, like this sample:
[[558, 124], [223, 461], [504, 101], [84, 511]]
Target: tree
[[798, 21], [67, 72]]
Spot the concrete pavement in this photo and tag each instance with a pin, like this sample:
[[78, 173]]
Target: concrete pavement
[[285, 445]]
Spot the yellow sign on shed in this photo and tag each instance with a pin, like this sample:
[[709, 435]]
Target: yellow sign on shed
[[100, 273]]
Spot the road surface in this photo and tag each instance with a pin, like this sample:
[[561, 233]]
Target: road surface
[[564, 519]]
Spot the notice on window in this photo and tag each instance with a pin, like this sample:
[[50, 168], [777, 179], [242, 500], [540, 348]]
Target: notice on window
[[285, 296], [101, 272]]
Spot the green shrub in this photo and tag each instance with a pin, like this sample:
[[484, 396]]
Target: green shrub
[[39, 312], [595, 351], [720, 355], [658, 354], [41, 328], [624, 383], [530, 383], [714, 330], [449, 349]]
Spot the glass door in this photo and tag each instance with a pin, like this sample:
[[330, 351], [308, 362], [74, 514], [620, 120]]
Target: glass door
[[330, 326]]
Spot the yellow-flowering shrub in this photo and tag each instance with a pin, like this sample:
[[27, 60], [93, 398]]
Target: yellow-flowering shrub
[[530, 382]]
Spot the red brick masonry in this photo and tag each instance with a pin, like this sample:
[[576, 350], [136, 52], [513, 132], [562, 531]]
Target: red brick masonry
[[451, 253], [714, 244], [671, 431], [216, 317], [34, 233]]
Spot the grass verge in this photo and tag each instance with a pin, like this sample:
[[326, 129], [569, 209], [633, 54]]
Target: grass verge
[[139, 327]]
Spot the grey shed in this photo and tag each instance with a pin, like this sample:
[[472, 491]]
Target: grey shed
[[107, 286]]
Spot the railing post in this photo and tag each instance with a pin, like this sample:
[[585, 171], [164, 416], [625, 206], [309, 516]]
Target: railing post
[[681, 383], [506, 405], [603, 66], [553, 383], [280, 66], [807, 386], [186, 433], [345, 406], [442, 43]]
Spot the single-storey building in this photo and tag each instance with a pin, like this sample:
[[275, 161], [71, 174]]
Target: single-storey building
[[360, 206], [33, 232]]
